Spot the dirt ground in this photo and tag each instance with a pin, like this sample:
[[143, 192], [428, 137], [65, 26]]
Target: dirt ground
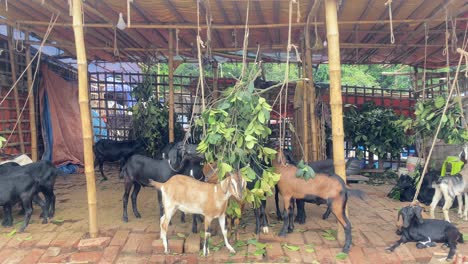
[[138, 241]]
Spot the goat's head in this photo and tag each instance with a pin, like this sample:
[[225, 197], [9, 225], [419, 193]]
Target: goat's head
[[237, 185], [405, 182], [409, 213]]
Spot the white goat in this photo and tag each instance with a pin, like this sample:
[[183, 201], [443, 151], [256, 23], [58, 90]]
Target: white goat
[[195, 197], [449, 187]]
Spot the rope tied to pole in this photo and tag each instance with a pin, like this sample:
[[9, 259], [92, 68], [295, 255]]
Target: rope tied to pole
[[392, 36], [18, 40], [116, 49]]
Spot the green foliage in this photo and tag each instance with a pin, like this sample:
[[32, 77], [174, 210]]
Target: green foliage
[[304, 171], [375, 128], [151, 118], [236, 128], [341, 256], [428, 116], [2, 139]]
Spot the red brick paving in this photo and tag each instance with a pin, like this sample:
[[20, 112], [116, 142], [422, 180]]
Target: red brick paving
[[138, 241]]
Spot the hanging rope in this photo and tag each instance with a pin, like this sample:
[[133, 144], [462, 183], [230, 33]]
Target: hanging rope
[[177, 41], [201, 79], [70, 8], [418, 188], [445, 51], [298, 6], [18, 40], [51, 25], [116, 49], [246, 41], [209, 19], [128, 12], [6, 5], [426, 36], [392, 36]]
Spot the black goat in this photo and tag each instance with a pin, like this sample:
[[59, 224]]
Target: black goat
[[22, 184], [112, 150], [426, 231], [406, 187], [139, 169]]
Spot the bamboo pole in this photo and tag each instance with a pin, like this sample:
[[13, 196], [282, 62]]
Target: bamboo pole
[[311, 100], [182, 26], [171, 86], [32, 111], [15, 88], [347, 45], [85, 115], [336, 103], [215, 82], [305, 123]]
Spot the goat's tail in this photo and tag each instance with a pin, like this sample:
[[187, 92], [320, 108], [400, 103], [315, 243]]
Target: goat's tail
[[155, 184], [460, 238], [356, 192]]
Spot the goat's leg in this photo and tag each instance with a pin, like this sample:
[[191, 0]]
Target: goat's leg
[[435, 200], [136, 190], [49, 196], [161, 206], [448, 203], [222, 224], [164, 225], [206, 246], [391, 248], [182, 217], [301, 215], [465, 213], [291, 216], [328, 211], [460, 205], [452, 237], [257, 220], [194, 223], [7, 217], [264, 217], [278, 212], [128, 187], [287, 201], [338, 207], [101, 169], [28, 209]]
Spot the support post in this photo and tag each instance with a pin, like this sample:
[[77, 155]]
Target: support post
[[311, 99], [215, 81], [15, 88], [32, 111], [305, 122], [336, 103], [83, 98], [171, 86]]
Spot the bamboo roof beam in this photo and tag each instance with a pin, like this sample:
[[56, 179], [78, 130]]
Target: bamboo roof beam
[[181, 18], [187, 26]]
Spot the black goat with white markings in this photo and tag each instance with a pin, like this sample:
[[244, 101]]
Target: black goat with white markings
[[426, 231]]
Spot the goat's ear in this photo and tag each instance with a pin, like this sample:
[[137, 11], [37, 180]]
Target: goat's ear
[[418, 212]]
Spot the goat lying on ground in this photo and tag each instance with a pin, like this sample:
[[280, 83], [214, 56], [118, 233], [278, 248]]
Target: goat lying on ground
[[449, 187], [23, 183], [329, 188], [426, 231], [139, 169], [195, 197], [112, 150]]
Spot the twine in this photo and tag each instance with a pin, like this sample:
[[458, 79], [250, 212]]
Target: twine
[[392, 36]]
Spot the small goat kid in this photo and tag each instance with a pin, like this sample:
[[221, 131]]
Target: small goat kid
[[195, 197], [449, 187]]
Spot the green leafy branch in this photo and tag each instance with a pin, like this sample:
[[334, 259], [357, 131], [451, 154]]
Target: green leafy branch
[[236, 129]]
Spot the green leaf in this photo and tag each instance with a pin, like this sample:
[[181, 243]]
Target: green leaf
[[341, 256], [181, 235], [291, 247], [58, 221], [28, 238], [465, 237], [439, 102], [12, 233], [259, 252], [310, 250]]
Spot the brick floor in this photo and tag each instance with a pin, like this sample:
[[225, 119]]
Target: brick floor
[[138, 240]]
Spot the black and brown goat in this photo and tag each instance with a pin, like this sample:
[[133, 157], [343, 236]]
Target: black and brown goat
[[332, 189]]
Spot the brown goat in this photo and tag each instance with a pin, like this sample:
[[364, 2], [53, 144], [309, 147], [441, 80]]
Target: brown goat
[[330, 188]]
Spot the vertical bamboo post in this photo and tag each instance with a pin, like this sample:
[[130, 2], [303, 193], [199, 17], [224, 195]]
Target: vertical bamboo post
[[85, 115], [215, 81], [15, 88], [336, 103], [171, 85], [305, 123], [32, 112], [311, 99]]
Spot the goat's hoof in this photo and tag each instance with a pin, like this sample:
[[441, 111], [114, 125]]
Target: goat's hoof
[[265, 230], [389, 249], [137, 215], [194, 231], [6, 224], [44, 221], [282, 234], [125, 219], [290, 230]]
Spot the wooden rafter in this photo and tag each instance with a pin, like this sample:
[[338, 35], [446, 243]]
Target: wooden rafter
[[259, 13], [215, 33]]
